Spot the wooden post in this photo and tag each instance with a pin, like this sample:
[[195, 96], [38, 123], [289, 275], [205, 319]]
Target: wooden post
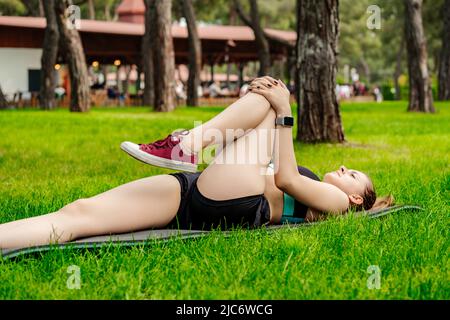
[[212, 69], [241, 74]]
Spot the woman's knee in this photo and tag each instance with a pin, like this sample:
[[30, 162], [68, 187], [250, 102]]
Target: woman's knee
[[78, 217], [269, 120], [78, 207], [259, 98]]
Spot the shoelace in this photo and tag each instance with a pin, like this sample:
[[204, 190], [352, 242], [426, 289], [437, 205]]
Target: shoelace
[[159, 144]]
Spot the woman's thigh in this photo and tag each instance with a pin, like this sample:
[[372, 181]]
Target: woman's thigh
[[240, 168], [150, 202]]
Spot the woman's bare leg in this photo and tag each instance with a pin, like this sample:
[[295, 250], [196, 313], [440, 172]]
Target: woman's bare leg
[[242, 115], [125, 208], [145, 203], [240, 169]]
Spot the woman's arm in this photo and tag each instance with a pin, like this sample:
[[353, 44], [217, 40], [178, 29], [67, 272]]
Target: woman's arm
[[318, 195], [285, 164], [321, 196]]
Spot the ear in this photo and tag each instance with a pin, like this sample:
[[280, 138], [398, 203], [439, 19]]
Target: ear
[[356, 199]]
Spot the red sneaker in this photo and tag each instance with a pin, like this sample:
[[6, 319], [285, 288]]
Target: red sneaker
[[165, 153]]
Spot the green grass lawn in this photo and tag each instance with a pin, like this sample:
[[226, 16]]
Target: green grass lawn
[[48, 159]]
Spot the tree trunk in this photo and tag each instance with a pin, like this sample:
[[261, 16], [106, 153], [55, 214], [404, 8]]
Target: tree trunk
[[227, 61], [164, 58], [105, 70], [126, 85], [232, 14], [195, 53], [420, 94], [398, 70], [437, 61], [241, 74], [212, 69], [444, 65], [49, 57], [260, 37], [3, 102], [261, 41], [148, 53], [74, 55], [107, 11], [366, 69], [318, 33], [41, 8], [91, 9], [290, 65], [118, 81], [138, 80]]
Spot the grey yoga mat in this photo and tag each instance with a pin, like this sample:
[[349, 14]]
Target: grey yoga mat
[[147, 236]]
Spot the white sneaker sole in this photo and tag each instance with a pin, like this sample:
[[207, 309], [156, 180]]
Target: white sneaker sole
[[133, 150]]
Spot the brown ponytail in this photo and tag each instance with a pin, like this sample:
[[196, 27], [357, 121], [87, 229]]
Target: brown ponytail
[[372, 202], [383, 202]]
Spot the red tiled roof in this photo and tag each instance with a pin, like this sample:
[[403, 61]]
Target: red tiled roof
[[207, 32], [85, 25]]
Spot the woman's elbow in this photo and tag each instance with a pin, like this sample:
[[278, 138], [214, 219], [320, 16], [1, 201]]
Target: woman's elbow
[[336, 208], [283, 183]]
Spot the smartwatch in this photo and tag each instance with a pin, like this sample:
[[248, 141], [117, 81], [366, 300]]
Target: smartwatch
[[285, 121]]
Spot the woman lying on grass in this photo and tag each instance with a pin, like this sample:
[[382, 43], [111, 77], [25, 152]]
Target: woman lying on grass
[[234, 190]]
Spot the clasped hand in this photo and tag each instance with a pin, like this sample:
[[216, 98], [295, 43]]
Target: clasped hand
[[275, 91]]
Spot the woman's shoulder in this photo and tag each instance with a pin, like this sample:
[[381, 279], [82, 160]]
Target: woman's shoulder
[[307, 173]]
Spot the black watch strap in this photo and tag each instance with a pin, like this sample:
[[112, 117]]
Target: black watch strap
[[285, 121]]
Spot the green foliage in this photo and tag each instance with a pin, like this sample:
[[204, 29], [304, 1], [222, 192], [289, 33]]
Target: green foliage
[[48, 159], [278, 14], [12, 8], [386, 89], [387, 92], [433, 21], [359, 47], [358, 44], [380, 48], [404, 93], [104, 9]]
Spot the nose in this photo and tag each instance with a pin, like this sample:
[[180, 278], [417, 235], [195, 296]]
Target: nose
[[343, 169]]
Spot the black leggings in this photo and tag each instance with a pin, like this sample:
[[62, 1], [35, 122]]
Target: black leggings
[[197, 212]]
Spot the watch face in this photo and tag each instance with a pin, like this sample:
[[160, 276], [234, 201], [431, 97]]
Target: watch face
[[289, 121]]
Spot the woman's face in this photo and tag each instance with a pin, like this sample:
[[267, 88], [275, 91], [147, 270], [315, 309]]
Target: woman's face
[[349, 181]]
